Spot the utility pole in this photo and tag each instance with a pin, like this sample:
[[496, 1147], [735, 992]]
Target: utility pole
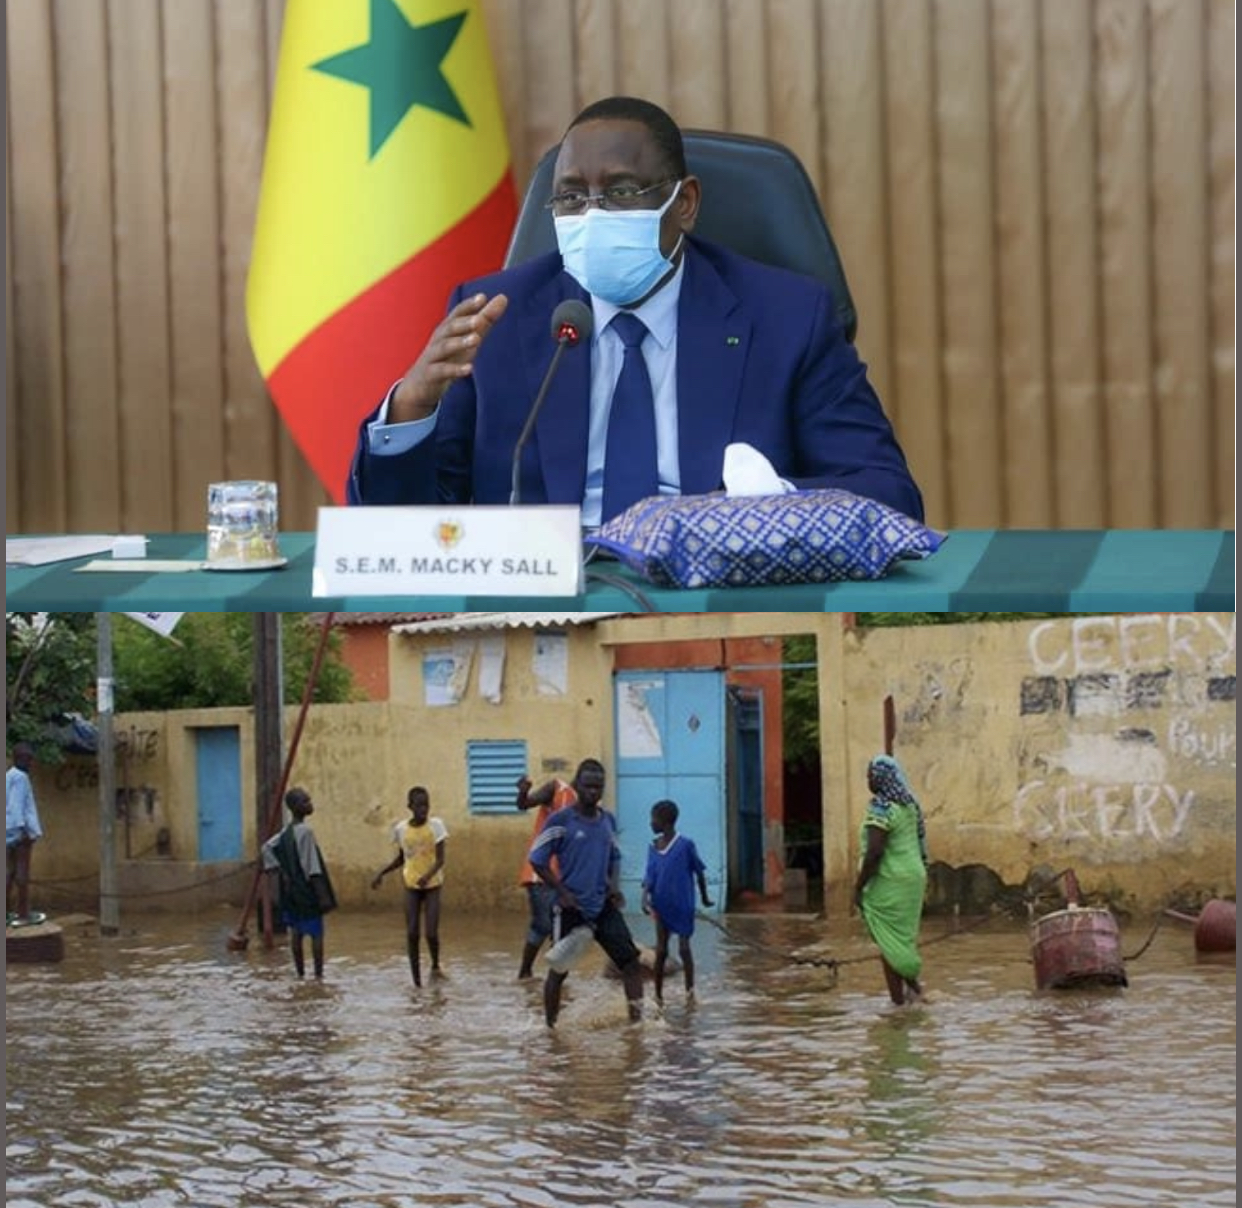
[[109, 906], [268, 710]]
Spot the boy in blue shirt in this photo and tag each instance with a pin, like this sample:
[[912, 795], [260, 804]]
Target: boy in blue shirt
[[673, 867], [584, 877]]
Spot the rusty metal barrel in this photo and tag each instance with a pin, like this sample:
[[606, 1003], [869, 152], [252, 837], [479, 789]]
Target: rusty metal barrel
[[1077, 948], [1216, 929]]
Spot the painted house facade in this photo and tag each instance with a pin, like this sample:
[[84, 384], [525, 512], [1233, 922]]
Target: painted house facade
[[1105, 743]]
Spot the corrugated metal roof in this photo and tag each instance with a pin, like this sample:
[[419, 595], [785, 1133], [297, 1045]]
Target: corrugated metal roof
[[461, 621], [345, 619]]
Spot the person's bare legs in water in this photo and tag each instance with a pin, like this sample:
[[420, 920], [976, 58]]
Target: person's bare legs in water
[[420, 903], [901, 990]]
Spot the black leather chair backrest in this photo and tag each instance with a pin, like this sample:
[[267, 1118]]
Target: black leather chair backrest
[[757, 200]]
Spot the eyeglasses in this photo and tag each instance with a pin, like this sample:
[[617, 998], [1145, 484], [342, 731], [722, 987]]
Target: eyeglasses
[[615, 197]]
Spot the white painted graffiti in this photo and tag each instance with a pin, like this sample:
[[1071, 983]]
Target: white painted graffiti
[[1094, 645], [1190, 741], [1083, 810]]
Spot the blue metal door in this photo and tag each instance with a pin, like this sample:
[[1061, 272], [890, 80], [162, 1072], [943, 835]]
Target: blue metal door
[[217, 776], [670, 743]]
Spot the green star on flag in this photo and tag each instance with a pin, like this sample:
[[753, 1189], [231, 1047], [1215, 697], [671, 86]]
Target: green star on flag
[[402, 67]]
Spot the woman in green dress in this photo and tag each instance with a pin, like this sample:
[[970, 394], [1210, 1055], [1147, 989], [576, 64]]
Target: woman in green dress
[[892, 878]]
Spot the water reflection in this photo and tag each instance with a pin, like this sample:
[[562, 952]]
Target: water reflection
[[158, 1068]]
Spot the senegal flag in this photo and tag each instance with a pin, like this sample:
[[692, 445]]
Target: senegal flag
[[386, 181]]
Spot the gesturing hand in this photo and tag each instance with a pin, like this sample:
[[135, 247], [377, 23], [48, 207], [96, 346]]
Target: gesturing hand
[[449, 355]]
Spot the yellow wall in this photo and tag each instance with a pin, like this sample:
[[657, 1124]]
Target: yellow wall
[[1091, 742], [361, 768], [1103, 743], [358, 761]]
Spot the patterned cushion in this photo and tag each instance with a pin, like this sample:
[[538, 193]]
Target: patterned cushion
[[743, 541]]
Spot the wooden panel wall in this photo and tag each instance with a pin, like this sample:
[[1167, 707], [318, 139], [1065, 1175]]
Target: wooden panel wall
[[1034, 200]]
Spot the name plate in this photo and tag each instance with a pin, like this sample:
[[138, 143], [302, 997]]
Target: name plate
[[448, 551]]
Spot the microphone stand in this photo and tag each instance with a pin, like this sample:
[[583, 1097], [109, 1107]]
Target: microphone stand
[[514, 492]]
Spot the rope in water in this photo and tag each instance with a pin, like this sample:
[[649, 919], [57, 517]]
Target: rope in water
[[832, 964], [835, 964]]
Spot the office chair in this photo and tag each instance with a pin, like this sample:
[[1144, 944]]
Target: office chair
[[757, 200]]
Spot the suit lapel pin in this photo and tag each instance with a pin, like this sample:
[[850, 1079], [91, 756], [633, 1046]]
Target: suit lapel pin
[[732, 341]]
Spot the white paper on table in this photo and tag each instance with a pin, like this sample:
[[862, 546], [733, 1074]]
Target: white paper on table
[[39, 551], [147, 566]]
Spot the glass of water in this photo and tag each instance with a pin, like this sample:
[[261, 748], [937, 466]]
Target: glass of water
[[242, 523]]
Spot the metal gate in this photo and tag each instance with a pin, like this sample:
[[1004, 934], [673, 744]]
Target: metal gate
[[670, 743]]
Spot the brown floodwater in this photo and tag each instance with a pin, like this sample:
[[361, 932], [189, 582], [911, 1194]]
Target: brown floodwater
[[159, 1068]]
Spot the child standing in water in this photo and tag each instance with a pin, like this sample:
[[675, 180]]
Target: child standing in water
[[295, 867], [540, 900], [420, 856], [673, 868]]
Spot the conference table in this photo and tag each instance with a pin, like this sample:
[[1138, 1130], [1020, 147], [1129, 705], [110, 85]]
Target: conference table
[[974, 570]]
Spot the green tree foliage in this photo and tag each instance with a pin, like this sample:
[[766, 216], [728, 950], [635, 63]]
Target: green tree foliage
[[50, 674], [801, 703], [211, 663]]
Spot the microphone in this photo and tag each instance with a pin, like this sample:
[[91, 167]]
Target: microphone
[[571, 324]]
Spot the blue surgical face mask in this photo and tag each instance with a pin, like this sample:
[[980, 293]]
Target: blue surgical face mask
[[614, 254]]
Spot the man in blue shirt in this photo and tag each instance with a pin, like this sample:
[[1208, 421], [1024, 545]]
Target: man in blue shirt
[[734, 351], [584, 877], [21, 831]]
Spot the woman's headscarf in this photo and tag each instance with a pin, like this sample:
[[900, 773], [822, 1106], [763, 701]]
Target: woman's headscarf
[[889, 785], [888, 782]]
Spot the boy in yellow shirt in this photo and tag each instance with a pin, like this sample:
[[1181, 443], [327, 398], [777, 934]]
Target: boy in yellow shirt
[[420, 856]]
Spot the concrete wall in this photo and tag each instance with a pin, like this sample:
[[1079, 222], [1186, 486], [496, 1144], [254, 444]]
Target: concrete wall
[[360, 765], [1103, 743], [156, 821]]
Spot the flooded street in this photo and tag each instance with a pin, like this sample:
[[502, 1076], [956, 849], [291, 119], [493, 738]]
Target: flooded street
[[158, 1068]]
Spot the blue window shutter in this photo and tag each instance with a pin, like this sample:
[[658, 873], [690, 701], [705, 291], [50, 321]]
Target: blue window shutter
[[494, 768]]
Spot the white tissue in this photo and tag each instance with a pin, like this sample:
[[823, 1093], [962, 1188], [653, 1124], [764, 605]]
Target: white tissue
[[748, 472]]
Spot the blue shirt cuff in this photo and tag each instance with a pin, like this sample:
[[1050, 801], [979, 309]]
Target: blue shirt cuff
[[389, 440]]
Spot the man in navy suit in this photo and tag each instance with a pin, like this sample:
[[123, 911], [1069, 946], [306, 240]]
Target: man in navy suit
[[732, 351]]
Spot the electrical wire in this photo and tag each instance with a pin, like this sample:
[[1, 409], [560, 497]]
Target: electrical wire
[[644, 601]]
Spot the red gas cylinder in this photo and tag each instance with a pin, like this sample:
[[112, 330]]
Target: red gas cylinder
[[1216, 929]]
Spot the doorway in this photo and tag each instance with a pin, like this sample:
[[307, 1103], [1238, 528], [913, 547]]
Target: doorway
[[745, 802], [217, 780], [731, 726]]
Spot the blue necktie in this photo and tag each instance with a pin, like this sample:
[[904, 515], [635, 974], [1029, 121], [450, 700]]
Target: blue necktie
[[630, 469]]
